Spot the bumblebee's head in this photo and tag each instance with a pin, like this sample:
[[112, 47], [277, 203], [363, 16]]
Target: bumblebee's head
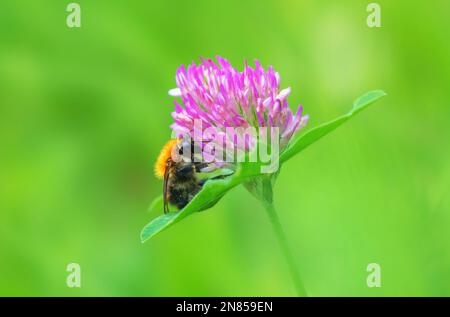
[[179, 150], [164, 156]]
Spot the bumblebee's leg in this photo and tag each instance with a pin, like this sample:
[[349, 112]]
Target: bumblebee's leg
[[204, 167], [166, 207], [204, 180], [220, 177]]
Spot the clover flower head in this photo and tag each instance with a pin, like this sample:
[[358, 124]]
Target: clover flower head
[[221, 97]]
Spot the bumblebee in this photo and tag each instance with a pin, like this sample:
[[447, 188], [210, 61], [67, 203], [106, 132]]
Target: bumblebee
[[179, 172]]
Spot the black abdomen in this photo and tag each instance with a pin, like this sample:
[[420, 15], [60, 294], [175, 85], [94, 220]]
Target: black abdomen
[[180, 194]]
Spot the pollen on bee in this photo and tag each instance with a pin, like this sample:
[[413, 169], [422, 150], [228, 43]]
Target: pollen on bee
[[166, 152]]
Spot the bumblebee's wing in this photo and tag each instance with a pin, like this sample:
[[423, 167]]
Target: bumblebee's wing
[[166, 185]]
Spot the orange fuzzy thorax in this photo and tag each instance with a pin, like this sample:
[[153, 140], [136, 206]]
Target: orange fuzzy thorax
[[166, 152]]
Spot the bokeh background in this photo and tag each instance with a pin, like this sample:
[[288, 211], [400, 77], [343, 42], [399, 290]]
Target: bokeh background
[[84, 113]]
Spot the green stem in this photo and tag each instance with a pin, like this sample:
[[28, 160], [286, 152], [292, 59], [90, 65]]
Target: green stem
[[276, 225]]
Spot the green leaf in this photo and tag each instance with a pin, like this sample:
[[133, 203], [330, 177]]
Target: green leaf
[[215, 189], [367, 99], [318, 132], [157, 204]]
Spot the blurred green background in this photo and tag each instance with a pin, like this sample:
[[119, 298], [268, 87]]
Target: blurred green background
[[84, 113]]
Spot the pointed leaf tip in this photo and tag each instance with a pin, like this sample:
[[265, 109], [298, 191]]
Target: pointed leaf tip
[[367, 99], [157, 224]]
